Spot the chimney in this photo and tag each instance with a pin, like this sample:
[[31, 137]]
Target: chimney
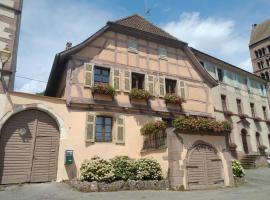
[[254, 25], [68, 45]]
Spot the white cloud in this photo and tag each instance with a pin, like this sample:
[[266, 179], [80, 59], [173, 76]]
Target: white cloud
[[33, 87], [45, 28], [217, 37]]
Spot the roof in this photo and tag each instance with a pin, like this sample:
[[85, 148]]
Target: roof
[[260, 32], [196, 51], [138, 22], [134, 25]]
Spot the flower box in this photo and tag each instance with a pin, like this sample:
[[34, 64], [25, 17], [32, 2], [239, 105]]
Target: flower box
[[243, 116], [228, 113], [173, 99], [153, 127], [257, 119], [103, 92], [139, 102], [102, 97], [139, 96]]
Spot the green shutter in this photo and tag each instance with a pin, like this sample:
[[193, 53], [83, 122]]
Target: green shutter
[[161, 86], [90, 127], [120, 129], [181, 89], [116, 79], [88, 69], [150, 84], [127, 80]]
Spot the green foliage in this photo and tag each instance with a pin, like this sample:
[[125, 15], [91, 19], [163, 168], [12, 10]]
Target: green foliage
[[233, 145], [148, 169], [238, 169], [201, 124], [97, 169], [103, 89], [139, 94], [124, 168], [262, 147], [153, 127], [120, 168], [173, 98]]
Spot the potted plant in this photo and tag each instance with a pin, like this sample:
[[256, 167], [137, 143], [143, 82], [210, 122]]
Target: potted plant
[[262, 149], [232, 146], [103, 92], [153, 127], [243, 116], [173, 100], [139, 96]]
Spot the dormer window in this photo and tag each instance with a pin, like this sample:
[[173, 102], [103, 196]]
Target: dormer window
[[132, 46], [162, 53], [101, 75]]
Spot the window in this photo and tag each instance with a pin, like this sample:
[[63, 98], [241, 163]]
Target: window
[[260, 52], [267, 62], [258, 139], [256, 53], [202, 63], [264, 112], [170, 86], [252, 107], [263, 51], [220, 74], [101, 75], [132, 46], [223, 102], [155, 141], [268, 48], [266, 75], [239, 106], [162, 53], [259, 65], [262, 75], [103, 129], [137, 81], [262, 64]]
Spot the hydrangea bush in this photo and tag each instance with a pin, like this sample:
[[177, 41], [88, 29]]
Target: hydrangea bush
[[153, 127], [97, 169], [238, 169], [148, 169], [124, 168]]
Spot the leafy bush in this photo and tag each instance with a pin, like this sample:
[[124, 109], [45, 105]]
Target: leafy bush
[[148, 169], [262, 147], [233, 145], [124, 168], [139, 94], [97, 169], [238, 169], [173, 98], [201, 124], [103, 89], [153, 127]]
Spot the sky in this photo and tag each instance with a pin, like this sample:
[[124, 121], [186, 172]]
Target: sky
[[219, 28]]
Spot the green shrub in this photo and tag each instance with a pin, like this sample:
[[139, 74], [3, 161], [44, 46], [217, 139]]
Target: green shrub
[[201, 124], [148, 169], [238, 169], [124, 168], [103, 89], [152, 127], [97, 169], [139, 94]]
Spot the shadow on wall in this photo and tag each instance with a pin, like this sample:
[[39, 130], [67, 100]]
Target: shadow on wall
[[141, 120], [72, 170]]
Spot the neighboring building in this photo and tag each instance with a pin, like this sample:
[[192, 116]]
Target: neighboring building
[[128, 53], [10, 19], [241, 98]]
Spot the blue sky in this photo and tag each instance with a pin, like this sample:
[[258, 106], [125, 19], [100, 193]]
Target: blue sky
[[220, 28]]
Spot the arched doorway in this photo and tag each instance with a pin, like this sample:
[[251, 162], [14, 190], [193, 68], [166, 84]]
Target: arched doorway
[[244, 140], [29, 148], [204, 168]]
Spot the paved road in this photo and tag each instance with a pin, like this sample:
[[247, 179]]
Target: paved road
[[257, 188]]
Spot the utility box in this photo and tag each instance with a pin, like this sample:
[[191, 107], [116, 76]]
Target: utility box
[[68, 157]]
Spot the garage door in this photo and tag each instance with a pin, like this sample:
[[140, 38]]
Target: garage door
[[204, 168], [29, 148]]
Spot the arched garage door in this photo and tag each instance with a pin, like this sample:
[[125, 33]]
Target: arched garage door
[[204, 168], [29, 148]]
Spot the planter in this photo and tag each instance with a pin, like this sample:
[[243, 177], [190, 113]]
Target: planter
[[228, 113], [239, 180], [173, 106], [139, 102], [243, 116], [102, 97]]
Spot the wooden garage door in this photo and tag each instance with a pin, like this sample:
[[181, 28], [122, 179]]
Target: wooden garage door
[[204, 168], [28, 148]]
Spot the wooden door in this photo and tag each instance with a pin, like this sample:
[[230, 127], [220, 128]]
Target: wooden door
[[245, 144], [204, 168]]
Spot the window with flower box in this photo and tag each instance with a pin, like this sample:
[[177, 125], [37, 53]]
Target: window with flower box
[[170, 86], [101, 75], [137, 81]]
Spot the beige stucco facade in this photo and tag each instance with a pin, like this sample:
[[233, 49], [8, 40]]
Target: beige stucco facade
[[249, 89]]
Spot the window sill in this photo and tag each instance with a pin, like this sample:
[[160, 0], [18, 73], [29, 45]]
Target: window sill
[[163, 58], [135, 51]]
